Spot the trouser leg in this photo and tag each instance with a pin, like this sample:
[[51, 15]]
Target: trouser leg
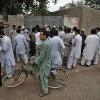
[[25, 57], [88, 62], [70, 62], [96, 59], [37, 50], [74, 62], [0, 76], [9, 68], [44, 80], [83, 61], [34, 68]]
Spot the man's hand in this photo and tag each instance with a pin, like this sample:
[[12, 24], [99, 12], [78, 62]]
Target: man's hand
[[74, 44]]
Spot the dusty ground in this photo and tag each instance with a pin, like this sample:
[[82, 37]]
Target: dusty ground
[[83, 84]]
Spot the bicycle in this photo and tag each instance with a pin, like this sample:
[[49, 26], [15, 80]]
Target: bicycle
[[20, 75]]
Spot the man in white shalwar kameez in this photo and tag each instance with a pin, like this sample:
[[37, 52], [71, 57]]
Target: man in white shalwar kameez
[[25, 32], [13, 35], [7, 56], [75, 51], [91, 49], [38, 41], [57, 46], [98, 34], [20, 46], [61, 33]]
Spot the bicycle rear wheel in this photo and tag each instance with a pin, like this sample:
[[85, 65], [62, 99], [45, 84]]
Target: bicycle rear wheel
[[59, 79], [18, 78]]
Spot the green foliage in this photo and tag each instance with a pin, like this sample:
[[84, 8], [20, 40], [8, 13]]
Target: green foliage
[[93, 3], [13, 7]]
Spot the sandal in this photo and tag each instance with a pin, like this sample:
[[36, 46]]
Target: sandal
[[41, 94]]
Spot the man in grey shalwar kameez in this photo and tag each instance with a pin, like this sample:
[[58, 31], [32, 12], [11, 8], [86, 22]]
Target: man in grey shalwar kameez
[[20, 46], [7, 56], [57, 46]]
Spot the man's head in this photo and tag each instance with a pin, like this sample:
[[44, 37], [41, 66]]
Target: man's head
[[74, 29], [82, 31], [18, 31], [97, 29], [14, 27], [44, 35], [60, 28], [77, 31], [93, 31], [54, 32], [19, 27], [23, 28]]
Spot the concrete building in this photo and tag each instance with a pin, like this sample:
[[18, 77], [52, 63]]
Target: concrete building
[[88, 18]]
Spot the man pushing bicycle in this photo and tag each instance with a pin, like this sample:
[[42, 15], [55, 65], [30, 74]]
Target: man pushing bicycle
[[44, 62]]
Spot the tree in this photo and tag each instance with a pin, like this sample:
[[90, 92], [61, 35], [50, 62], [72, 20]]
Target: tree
[[13, 7], [93, 3]]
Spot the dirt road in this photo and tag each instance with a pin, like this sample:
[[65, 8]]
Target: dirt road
[[83, 84]]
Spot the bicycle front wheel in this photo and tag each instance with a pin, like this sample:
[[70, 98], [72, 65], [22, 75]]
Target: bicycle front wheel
[[18, 78], [58, 80]]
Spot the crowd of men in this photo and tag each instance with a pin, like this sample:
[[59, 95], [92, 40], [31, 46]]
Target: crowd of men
[[52, 46]]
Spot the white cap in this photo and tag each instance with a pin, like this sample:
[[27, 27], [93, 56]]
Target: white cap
[[54, 26], [23, 27], [45, 25], [83, 29]]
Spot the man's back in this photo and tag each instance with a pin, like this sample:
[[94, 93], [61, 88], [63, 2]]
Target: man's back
[[20, 43]]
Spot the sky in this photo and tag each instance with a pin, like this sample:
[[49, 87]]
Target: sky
[[52, 7]]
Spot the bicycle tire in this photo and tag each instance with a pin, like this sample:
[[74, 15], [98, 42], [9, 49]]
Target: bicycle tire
[[59, 80], [18, 78]]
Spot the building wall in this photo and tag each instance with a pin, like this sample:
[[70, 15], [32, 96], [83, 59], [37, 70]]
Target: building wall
[[91, 19], [16, 20], [88, 17], [71, 21], [84, 17], [31, 21], [75, 12]]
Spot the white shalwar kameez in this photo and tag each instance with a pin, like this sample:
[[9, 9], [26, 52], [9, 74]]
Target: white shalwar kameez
[[7, 57], [75, 51], [21, 47], [91, 50], [25, 33], [98, 34], [38, 43], [13, 34], [61, 34], [57, 46]]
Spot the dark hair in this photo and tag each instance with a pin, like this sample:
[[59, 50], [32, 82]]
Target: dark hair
[[74, 28], [18, 30], [54, 32], [19, 27], [45, 32], [68, 30], [97, 28], [77, 31], [60, 28], [14, 26], [33, 29], [93, 31], [1, 27], [1, 32]]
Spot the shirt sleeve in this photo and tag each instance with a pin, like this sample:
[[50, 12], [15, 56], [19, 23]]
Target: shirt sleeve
[[62, 44], [25, 42], [39, 60], [5, 46]]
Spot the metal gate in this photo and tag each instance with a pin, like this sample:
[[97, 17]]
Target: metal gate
[[30, 21]]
